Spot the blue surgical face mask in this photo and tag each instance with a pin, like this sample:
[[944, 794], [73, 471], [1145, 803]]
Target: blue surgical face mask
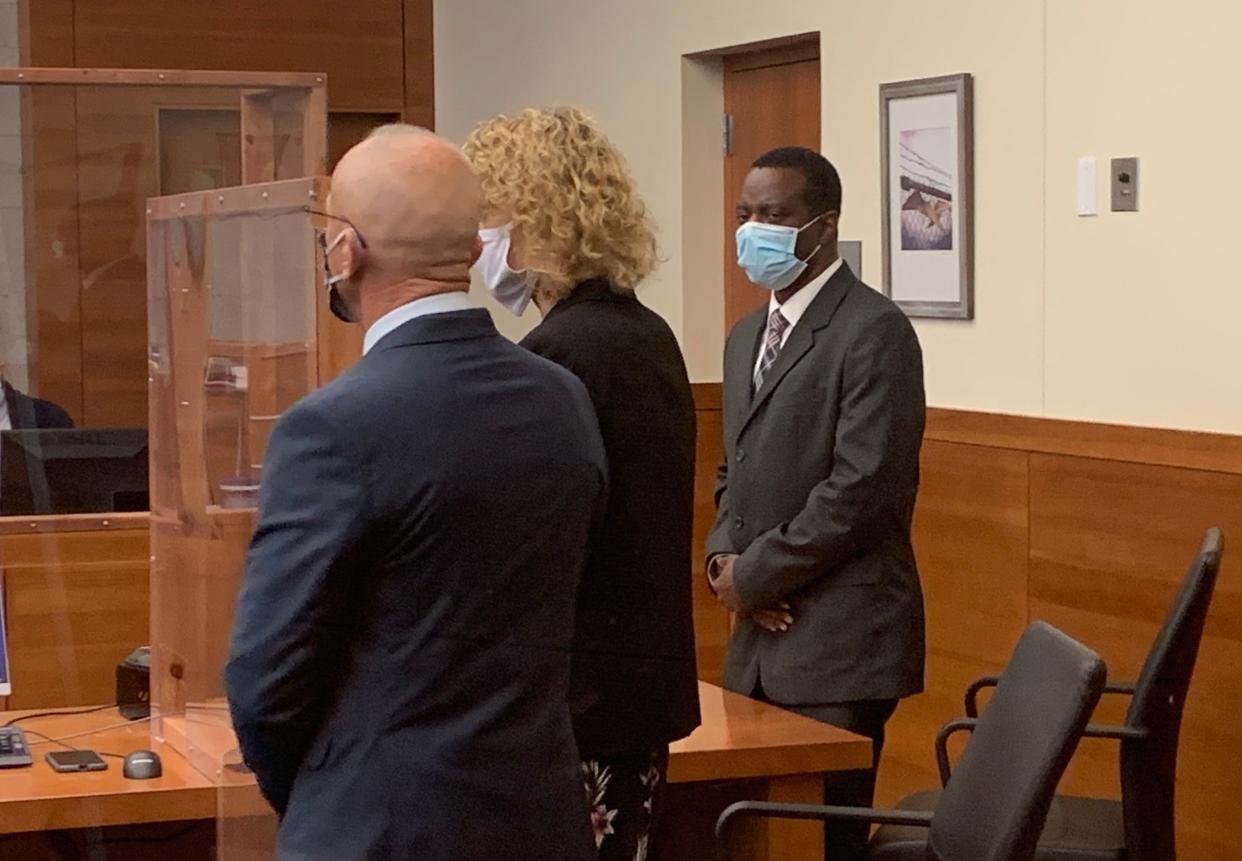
[[766, 253]]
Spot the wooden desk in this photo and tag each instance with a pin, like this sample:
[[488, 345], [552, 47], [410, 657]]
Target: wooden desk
[[750, 750], [40, 799], [740, 738], [743, 749]]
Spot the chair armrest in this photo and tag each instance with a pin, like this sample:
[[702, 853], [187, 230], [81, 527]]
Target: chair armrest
[[942, 747], [771, 809], [972, 693], [1120, 733]]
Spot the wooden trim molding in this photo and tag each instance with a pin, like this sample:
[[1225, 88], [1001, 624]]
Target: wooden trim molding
[[160, 77], [288, 195], [767, 52], [1209, 452], [1187, 449], [797, 51], [43, 524]]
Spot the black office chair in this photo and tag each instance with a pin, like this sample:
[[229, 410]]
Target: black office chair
[[1139, 827], [994, 806]]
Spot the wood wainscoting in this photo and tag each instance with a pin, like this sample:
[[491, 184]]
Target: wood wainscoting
[[76, 603], [1090, 527]]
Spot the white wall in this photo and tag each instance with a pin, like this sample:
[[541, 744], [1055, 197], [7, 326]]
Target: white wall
[[12, 220], [1123, 318], [1143, 310]]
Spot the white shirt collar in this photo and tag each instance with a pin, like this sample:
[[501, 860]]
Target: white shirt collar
[[441, 303], [796, 305]]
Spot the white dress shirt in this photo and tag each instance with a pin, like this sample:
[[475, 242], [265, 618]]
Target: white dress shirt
[[441, 303], [794, 308]]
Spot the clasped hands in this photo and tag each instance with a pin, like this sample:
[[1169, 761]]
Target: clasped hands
[[720, 573]]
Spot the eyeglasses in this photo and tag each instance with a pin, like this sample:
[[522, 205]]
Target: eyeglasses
[[322, 236], [340, 218]]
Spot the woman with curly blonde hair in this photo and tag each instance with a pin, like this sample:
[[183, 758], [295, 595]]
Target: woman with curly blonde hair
[[567, 227]]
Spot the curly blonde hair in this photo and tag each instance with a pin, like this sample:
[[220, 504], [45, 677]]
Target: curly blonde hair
[[570, 191]]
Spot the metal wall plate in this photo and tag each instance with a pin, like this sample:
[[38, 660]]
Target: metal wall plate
[[1124, 184], [850, 250]]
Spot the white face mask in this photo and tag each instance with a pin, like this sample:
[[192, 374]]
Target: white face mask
[[510, 288]]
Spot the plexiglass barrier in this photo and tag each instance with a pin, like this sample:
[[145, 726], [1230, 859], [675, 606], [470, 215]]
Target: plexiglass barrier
[[234, 279], [81, 152]]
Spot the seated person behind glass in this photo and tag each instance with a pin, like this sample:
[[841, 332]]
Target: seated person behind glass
[[20, 411]]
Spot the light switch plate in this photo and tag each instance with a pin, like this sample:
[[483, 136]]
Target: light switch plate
[[850, 250], [1125, 184], [1087, 204]]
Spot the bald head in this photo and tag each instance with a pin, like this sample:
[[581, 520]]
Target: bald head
[[416, 203]]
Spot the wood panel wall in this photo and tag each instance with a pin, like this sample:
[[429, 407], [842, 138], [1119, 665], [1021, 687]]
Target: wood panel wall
[[93, 161], [378, 55], [711, 621], [1090, 527], [360, 46], [76, 604], [1033, 520]]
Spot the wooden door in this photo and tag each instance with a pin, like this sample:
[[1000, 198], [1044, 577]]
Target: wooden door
[[772, 97]]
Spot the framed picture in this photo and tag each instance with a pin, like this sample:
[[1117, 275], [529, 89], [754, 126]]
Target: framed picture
[[927, 164]]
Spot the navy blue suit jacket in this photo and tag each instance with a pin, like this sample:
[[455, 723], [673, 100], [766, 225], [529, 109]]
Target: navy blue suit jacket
[[399, 665]]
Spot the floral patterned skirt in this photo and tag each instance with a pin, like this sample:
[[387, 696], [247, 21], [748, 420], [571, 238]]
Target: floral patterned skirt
[[624, 794]]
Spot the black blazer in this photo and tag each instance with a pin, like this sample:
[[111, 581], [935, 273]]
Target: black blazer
[[634, 684], [399, 669], [27, 413], [817, 495]]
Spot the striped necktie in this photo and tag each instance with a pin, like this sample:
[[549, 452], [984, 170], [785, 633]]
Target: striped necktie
[[777, 324]]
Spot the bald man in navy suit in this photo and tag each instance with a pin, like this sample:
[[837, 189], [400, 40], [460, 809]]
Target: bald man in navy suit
[[400, 659]]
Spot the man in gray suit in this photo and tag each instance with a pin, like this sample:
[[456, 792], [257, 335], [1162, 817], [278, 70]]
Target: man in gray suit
[[823, 419]]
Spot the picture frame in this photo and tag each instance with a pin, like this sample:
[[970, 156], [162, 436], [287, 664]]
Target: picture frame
[[927, 187]]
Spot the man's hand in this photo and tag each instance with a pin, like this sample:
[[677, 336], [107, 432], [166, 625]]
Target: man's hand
[[721, 575], [776, 621]]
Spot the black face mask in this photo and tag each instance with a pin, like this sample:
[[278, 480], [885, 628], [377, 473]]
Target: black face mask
[[339, 307], [336, 302]]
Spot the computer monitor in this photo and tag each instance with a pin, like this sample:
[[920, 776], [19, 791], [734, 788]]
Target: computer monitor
[[6, 688], [79, 471]]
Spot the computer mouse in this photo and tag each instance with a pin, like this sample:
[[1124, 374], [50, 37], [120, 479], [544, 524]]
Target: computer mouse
[[142, 765]]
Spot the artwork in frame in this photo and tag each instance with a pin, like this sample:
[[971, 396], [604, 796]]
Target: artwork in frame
[[927, 169]]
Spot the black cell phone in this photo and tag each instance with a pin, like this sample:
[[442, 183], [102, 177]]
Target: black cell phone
[[75, 760]]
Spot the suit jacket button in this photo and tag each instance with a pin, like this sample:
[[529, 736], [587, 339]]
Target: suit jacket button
[[738, 523], [741, 455]]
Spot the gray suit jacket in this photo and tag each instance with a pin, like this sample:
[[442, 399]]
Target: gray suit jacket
[[817, 495]]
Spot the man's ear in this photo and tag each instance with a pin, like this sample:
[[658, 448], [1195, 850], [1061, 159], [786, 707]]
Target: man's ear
[[828, 233], [351, 254]]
